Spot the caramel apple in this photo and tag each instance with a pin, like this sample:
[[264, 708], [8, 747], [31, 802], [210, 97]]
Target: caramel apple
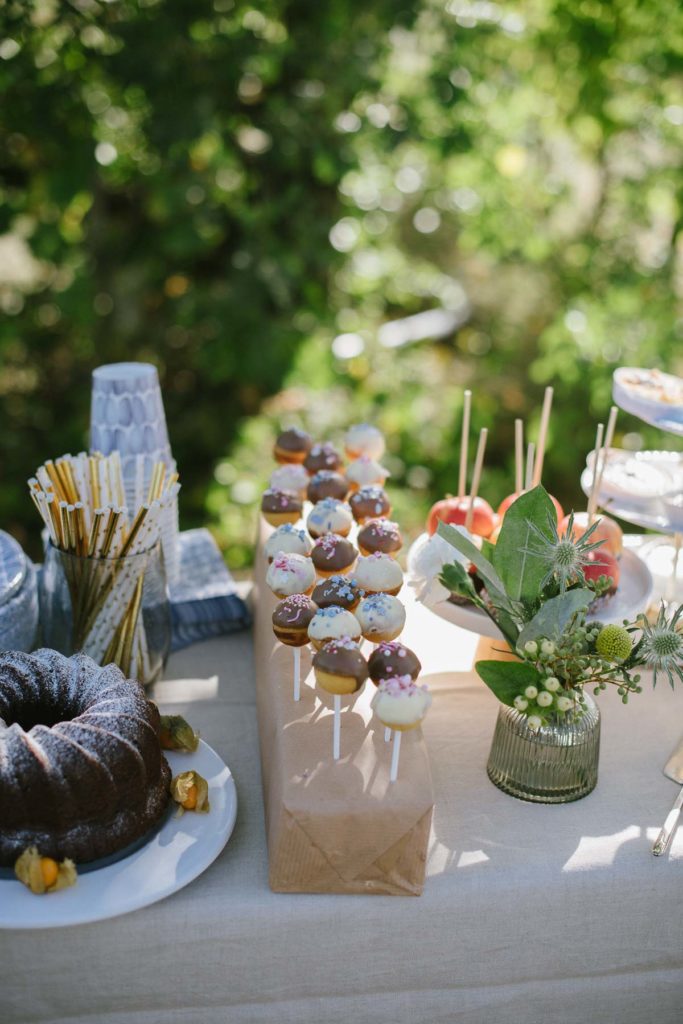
[[511, 498], [607, 531], [454, 511]]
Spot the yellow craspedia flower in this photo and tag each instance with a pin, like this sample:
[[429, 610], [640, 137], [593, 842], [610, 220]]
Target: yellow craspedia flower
[[614, 642]]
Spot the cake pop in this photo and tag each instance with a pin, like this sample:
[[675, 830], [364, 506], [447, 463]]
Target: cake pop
[[333, 555], [379, 573], [291, 620], [280, 507], [331, 624], [369, 503], [290, 574], [364, 472], [338, 590], [393, 659], [326, 484], [322, 456], [339, 667], [292, 445], [329, 516], [289, 540], [400, 703], [291, 476], [379, 535], [381, 617], [364, 439]]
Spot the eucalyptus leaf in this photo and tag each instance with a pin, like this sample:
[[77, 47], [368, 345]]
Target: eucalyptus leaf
[[554, 616], [508, 679], [520, 571]]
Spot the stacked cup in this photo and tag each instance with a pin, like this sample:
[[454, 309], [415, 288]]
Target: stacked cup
[[127, 415]]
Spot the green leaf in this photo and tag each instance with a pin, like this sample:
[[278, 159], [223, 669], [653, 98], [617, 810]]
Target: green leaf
[[552, 619], [484, 567], [508, 679], [456, 578], [487, 548], [521, 572]]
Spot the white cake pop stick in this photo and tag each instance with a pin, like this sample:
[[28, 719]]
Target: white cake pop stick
[[387, 733], [395, 754], [464, 442], [336, 739], [297, 673]]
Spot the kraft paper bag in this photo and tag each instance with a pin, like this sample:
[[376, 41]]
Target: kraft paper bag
[[335, 827]]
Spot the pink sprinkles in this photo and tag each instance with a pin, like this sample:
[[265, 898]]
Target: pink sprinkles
[[400, 686]]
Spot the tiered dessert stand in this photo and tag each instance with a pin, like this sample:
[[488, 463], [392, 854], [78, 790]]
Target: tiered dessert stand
[[645, 488]]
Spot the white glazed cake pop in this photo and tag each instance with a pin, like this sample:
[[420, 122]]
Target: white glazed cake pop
[[381, 617], [290, 574], [378, 573], [329, 516], [290, 477], [364, 472], [331, 624], [400, 703], [289, 540], [364, 439]]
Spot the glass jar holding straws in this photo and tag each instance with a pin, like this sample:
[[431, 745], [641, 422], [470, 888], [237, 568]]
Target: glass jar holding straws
[[103, 586]]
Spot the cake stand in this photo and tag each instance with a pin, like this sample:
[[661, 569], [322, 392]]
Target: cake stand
[[664, 513]]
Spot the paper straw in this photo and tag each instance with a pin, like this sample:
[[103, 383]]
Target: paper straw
[[464, 443], [395, 754], [336, 738], [297, 673], [476, 476], [542, 435], [519, 456], [594, 484]]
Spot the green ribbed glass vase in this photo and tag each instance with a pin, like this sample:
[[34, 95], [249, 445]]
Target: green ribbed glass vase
[[555, 765]]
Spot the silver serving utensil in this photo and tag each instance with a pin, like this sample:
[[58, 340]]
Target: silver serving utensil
[[673, 769]]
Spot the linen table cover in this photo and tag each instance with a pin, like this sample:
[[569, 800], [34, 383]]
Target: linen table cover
[[531, 914]]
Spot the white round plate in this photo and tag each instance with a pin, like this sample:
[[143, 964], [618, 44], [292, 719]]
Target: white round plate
[[654, 516], [632, 596], [181, 850], [665, 416]]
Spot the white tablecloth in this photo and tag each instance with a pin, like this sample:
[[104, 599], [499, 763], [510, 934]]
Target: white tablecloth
[[531, 914]]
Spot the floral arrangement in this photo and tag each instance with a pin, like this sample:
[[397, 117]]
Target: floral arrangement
[[533, 586]]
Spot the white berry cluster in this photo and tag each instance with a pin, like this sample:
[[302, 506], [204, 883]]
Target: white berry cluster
[[539, 702]]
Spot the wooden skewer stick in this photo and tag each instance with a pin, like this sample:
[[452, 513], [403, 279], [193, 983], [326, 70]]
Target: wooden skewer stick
[[599, 464], [476, 476], [594, 485], [529, 475], [464, 444], [519, 456], [542, 435]]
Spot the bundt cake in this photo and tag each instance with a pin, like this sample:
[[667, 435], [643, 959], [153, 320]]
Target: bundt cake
[[82, 774]]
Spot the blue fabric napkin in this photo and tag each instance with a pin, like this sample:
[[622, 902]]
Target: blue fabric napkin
[[204, 600]]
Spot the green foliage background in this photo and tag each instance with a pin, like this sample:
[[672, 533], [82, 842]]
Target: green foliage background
[[247, 194]]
